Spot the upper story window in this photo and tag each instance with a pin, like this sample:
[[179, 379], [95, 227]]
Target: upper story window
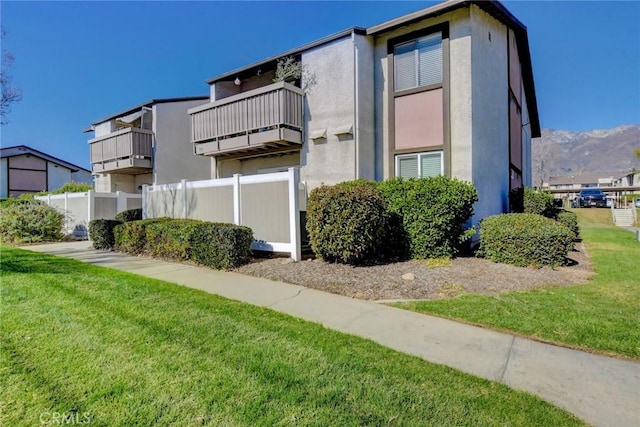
[[418, 62]]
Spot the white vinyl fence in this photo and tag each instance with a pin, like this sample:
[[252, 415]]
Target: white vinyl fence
[[269, 204], [80, 208]]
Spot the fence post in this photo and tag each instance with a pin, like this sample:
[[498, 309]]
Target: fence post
[[294, 213], [236, 199], [121, 201], [90, 206], [184, 197], [66, 209], [145, 189]]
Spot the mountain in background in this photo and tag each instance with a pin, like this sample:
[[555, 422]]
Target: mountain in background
[[561, 153]]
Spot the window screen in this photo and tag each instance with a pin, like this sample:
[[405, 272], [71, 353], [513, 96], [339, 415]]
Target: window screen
[[420, 165], [418, 62]]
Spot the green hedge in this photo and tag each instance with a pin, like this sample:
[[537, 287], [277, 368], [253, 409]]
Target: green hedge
[[525, 239], [131, 237], [569, 220], [101, 232], [170, 239], [24, 220], [216, 245], [347, 223], [434, 213], [221, 246], [129, 215]]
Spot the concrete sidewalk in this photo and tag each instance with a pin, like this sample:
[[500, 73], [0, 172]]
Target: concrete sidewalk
[[600, 390]]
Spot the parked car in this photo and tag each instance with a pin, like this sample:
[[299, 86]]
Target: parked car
[[592, 197], [637, 202]]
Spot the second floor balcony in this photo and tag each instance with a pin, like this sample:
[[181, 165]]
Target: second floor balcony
[[128, 151], [263, 120]]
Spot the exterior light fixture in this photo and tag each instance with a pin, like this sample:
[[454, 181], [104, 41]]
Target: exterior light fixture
[[237, 81]]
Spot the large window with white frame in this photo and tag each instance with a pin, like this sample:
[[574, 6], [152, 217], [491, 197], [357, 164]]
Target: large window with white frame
[[418, 62], [420, 165]]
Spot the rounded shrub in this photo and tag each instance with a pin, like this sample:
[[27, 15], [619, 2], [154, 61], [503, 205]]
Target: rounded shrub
[[101, 233], [434, 213], [129, 215], [525, 239], [28, 221], [570, 220], [131, 237], [347, 223]]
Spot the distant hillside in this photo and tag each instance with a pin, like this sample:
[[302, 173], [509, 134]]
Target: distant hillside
[[560, 152]]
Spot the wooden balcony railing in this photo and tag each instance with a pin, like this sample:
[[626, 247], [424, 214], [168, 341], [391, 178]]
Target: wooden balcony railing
[[126, 150], [263, 118]]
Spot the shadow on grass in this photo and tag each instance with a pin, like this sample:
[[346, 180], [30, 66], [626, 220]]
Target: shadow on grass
[[21, 261]]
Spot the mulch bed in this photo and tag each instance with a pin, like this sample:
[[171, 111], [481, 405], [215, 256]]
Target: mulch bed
[[415, 279]]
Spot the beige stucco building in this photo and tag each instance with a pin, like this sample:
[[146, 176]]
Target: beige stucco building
[[26, 170], [145, 144], [445, 90]]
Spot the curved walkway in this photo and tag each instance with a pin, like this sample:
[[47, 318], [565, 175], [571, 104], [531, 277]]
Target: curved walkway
[[601, 390]]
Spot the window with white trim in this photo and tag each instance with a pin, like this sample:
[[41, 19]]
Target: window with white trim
[[418, 62], [420, 165]]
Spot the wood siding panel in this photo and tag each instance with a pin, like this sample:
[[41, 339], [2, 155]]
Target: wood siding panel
[[419, 120]]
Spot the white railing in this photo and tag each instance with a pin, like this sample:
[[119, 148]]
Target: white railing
[[267, 203], [80, 208]]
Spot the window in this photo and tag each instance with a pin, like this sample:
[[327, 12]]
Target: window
[[420, 165], [418, 62]]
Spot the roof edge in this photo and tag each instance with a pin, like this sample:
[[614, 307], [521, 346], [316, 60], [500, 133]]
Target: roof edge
[[148, 103], [71, 166], [328, 39]]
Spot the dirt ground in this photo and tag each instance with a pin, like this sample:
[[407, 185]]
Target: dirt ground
[[419, 279]]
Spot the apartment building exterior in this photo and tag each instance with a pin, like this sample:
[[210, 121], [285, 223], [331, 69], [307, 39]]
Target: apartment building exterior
[[145, 144], [445, 90]]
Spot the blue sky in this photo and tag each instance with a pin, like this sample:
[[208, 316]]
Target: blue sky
[[77, 62]]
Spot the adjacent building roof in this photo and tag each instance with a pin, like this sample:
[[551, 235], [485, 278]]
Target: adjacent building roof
[[494, 8], [587, 178], [20, 150], [149, 104]]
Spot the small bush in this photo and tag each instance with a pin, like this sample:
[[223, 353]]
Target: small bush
[[347, 223], [221, 246], [524, 239], [72, 187], [129, 215], [434, 213], [528, 200], [130, 236], [101, 233], [29, 221], [570, 220]]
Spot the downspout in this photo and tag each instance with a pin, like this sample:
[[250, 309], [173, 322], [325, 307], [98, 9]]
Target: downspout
[[356, 124]]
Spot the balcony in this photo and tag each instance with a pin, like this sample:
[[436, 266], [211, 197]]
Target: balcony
[[261, 121], [128, 151]]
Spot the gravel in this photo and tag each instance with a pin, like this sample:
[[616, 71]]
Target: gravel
[[419, 279]]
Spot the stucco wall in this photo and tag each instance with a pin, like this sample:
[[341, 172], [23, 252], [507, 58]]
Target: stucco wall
[[490, 123], [460, 93], [364, 127], [173, 153], [104, 128], [227, 168], [329, 105], [4, 174], [57, 176]]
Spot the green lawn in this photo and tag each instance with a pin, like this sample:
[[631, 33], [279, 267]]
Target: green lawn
[[113, 348], [601, 316]]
